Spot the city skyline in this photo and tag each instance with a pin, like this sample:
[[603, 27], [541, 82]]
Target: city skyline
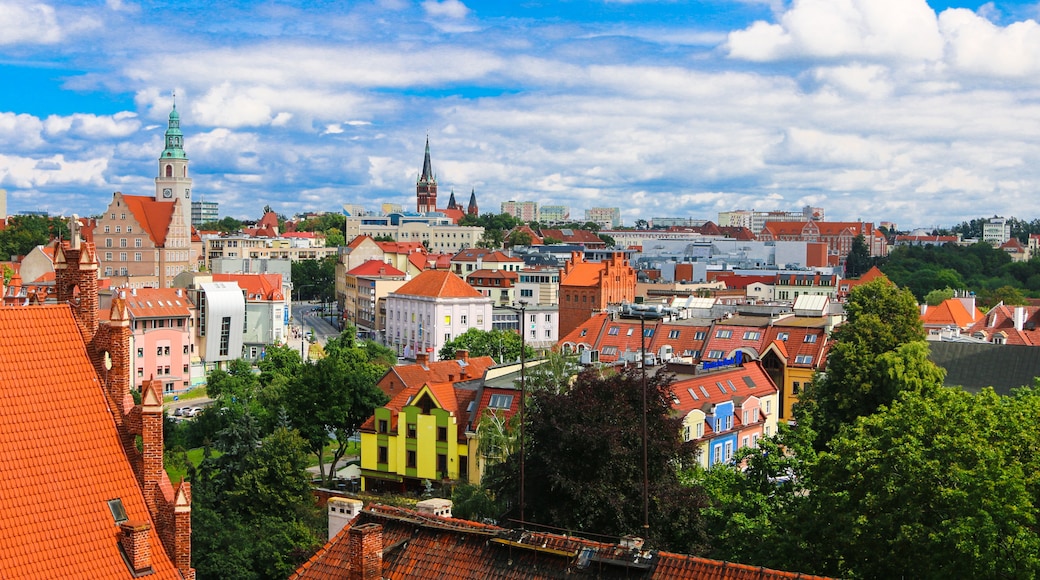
[[924, 114]]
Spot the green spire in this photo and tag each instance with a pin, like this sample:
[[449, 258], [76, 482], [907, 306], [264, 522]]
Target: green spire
[[174, 138]]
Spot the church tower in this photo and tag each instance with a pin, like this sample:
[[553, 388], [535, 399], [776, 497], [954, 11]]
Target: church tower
[[426, 186], [173, 184], [472, 208]]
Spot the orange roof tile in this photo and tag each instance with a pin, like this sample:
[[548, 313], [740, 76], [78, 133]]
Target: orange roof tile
[[62, 459], [951, 311], [415, 375], [258, 287], [157, 303], [416, 545], [154, 216], [375, 268], [438, 284]]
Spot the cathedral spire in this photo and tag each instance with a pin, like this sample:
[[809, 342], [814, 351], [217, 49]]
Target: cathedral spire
[[426, 186], [427, 167], [472, 209]]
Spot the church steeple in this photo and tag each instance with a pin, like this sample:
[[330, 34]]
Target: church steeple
[[451, 200], [426, 186], [174, 138], [472, 209]]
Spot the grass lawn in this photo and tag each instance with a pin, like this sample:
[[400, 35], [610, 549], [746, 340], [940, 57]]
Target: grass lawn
[[192, 394], [352, 449], [176, 472]]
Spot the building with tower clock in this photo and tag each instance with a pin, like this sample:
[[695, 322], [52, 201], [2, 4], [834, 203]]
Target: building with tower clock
[[145, 240]]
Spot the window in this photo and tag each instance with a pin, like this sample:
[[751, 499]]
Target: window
[[140, 372], [715, 354], [140, 352], [166, 349], [108, 242], [118, 512], [630, 331], [803, 359], [782, 336], [548, 333], [462, 319], [718, 454], [810, 338], [613, 331], [723, 333], [383, 425], [796, 387], [752, 335], [674, 333], [648, 332], [442, 465], [447, 319], [442, 433], [410, 454], [122, 242], [137, 243], [700, 430], [158, 351], [137, 256], [411, 431], [769, 407], [500, 401], [729, 450], [119, 229], [699, 335], [548, 317], [383, 454], [108, 229], [584, 331], [225, 336]]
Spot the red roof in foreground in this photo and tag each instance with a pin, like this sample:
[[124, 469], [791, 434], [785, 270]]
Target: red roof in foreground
[[415, 545], [61, 457]]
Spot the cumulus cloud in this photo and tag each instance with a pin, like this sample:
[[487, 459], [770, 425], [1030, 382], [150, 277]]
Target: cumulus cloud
[[28, 23], [445, 9], [888, 29], [979, 47]]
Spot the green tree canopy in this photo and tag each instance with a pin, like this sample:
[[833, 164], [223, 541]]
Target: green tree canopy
[[584, 463], [25, 232], [937, 297], [335, 395], [501, 345], [881, 318], [942, 483]]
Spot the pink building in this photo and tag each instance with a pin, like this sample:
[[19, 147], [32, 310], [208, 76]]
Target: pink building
[[161, 342]]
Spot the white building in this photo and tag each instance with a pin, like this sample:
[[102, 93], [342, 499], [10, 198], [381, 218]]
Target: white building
[[996, 231], [524, 210], [433, 308], [221, 311], [606, 217]]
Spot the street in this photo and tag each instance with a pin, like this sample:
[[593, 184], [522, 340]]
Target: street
[[305, 317]]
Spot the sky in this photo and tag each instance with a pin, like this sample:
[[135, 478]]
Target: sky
[[920, 113]]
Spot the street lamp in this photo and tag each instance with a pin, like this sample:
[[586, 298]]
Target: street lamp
[[523, 401]]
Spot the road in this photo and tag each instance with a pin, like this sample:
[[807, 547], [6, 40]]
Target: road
[[305, 317]]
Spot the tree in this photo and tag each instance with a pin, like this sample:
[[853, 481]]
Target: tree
[[937, 297], [335, 395], [943, 483], [25, 232], [518, 238], [584, 463], [334, 237], [858, 261], [608, 240], [881, 319], [315, 279], [501, 345], [555, 374], [253, 514]]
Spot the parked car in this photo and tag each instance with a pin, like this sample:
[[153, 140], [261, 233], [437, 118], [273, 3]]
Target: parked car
[[192, 411], [179, 412]]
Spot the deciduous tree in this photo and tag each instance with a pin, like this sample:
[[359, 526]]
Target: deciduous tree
[[501, 345]]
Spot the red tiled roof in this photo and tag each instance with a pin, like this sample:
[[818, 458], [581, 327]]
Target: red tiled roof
[[951, 311], [157, 303], [62, 459], [438, 284], [574, 237], [402, 247], [442, 371], [154, 216], [357, 241], [689, 393], [416, 545], [375, 268], [262, 287]]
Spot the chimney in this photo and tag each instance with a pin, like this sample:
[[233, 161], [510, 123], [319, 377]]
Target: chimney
[[462, 354], [341, 511], [422, 358], [133, 539], [152, 442], [365, 552], [1020, 317]]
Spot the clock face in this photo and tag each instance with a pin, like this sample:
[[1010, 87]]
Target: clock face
[[167, 192]]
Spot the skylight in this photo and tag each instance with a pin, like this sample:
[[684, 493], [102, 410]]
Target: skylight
[[118, 512]]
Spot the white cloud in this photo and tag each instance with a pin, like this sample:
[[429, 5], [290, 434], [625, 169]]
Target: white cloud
[[87, 126], [977, 46], [888, 29], [28, 23], [445, 9]]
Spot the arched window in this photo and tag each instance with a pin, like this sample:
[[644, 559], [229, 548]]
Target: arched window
[[184, 171], [169, 171]]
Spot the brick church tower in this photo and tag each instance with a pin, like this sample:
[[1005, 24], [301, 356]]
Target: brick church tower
[[426, 186]]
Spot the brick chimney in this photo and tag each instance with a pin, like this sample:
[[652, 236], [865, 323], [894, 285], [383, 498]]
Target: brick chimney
[[462, 354], [134, 540], [365, 551], [152, 442], [422, 358]]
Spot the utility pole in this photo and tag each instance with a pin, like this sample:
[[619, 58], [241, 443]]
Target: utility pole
[[523, 400]]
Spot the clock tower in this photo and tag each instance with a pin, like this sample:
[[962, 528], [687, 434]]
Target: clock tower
[[173, 184]]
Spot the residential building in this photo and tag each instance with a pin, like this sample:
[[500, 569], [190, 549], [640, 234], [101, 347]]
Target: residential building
[[421, 433], [606, 217], [584, 238], [554, 214], [724, 410], [470, 260], [162, 338], [430, 310], [523, 210], [80, 498], [950, 318], [996, 231], [1016, 250], [1003, 324], [204, 212], [587, 288], [262, 244], [756, 220], [365, 290], [266, 311], [438, 234], [498, 285], [540, 326], [795, 350], [391, 542], [220, 320], [788, 287], [539, 285]]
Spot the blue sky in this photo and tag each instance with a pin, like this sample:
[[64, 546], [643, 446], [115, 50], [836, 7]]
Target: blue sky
[[924, 114]]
